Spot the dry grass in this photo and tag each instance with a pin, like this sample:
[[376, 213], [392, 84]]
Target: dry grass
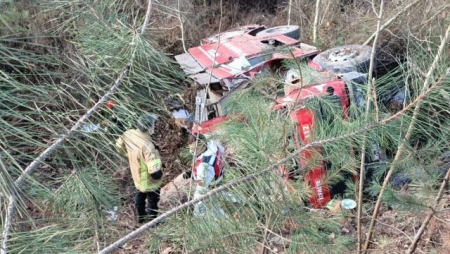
[[339, 23]]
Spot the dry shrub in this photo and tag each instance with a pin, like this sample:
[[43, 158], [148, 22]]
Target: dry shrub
[[341, 22], [202, 21]]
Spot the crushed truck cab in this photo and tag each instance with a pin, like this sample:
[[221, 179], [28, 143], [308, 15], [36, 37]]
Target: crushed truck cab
[[228, 61], [304, 120]]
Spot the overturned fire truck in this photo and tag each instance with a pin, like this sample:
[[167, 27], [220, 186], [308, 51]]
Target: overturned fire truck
[[228, 61]]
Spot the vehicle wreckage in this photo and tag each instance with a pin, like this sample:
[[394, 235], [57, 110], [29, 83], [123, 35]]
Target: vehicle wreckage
[[228, 61]]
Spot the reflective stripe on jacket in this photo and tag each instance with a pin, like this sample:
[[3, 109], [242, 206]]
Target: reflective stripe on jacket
[[143, 157]]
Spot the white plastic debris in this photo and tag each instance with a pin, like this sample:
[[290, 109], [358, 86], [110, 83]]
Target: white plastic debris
[[90, 127], [348, 204], [181, 114], [112, 214]]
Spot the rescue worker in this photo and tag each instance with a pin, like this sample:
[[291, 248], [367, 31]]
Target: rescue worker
[[145, 165], [207, 171]]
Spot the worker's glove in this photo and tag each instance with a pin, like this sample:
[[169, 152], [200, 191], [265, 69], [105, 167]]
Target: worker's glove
[[187, 174], [157, 174]]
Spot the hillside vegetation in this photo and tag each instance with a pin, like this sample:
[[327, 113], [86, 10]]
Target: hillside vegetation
[[65, 188]]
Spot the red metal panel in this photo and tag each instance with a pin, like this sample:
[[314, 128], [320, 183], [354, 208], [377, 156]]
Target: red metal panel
[[210, 54], [200, 55], [208, 126], [243, 45], [318, 90], [314, 65], [246, 45], [305, 119], [221, 72], [315, 177], [226, 51]]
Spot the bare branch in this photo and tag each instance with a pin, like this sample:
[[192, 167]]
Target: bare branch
[[422, 228], [147, 16], [368, 96], [316, 21], [413, 103], [47, 153], [289, 12], [387, 23], [181, 27]]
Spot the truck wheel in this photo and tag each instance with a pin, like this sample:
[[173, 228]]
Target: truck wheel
[[289, 31], [345, 59]]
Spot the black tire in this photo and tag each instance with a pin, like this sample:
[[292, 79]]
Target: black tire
[[289, 31], [345, 59]]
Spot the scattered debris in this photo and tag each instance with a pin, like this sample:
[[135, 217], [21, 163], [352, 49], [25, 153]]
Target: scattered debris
[[167, 250], [346, 229], [278, 240], [171, 140], [331, 238], [334, 206], [90, 127], [348, 204], [112, 214]]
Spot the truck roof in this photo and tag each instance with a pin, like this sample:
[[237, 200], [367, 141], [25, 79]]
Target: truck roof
[[231, 53]]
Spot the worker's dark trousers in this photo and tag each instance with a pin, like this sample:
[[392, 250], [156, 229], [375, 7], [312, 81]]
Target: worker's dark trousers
[[152, 199]]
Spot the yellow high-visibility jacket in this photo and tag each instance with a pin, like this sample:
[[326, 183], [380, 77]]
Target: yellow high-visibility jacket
[[143, 157]]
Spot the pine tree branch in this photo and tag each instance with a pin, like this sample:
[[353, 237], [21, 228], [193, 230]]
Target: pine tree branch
[[408, 134], [387, 23], [413, 103], [18, 184], [227, 186], [370, 84], [422, 228], [202, 110], [266, 229], [254, 176]]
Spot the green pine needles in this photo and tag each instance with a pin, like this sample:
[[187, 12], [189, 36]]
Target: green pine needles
[[50, 80]]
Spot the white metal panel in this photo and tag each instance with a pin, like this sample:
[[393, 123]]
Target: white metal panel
[[188, 64]]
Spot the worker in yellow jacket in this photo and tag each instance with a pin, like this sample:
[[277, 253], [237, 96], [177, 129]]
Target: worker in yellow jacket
[[145, 165]]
